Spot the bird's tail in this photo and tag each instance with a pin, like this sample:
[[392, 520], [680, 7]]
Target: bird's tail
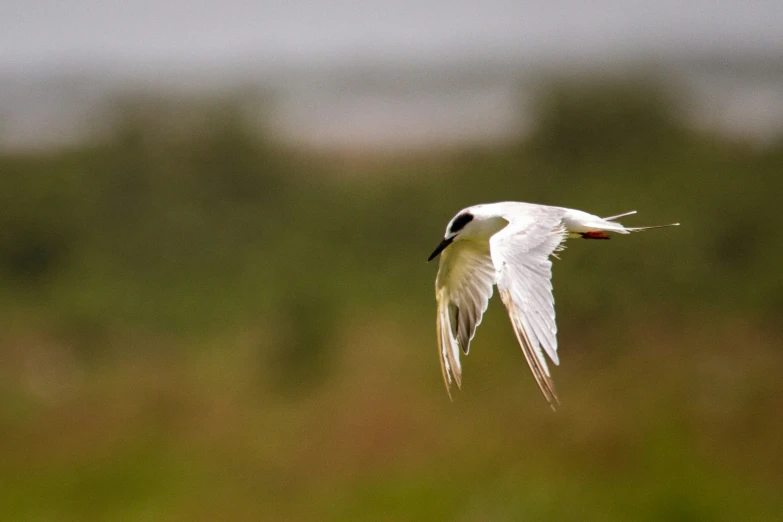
[[618, 216], [637, 229], [588, 226], [641, 229]]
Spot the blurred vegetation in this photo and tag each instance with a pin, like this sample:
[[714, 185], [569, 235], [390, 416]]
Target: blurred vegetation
[[200, 322]]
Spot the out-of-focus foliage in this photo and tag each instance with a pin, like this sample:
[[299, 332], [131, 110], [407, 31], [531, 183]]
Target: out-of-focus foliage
[[199, 322], [598, 120]]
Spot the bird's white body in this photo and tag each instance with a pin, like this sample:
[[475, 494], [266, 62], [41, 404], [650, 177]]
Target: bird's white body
[[509, 245]]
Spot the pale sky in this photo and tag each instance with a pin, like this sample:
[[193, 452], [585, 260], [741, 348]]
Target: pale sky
[[47, 34], [232, 41]]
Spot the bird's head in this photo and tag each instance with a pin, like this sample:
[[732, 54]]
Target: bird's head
[[458, 225], [477, 223]]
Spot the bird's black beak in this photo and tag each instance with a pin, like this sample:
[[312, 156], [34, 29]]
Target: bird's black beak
[[441, 247]]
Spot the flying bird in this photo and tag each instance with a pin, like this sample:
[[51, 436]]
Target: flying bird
[[508, 244]]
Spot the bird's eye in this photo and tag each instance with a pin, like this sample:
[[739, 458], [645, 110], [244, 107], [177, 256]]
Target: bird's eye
[[460, 222]]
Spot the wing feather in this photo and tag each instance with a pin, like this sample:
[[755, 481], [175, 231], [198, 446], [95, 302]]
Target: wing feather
[[535, 359], [521, 256], [463, 288]]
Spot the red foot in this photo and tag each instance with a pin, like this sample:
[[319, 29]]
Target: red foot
[[594, 235]]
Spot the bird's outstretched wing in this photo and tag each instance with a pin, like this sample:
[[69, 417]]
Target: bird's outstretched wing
[[463, 288], [520, 253]]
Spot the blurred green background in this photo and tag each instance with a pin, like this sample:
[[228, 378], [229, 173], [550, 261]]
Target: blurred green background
[[203, 322], [214, 220]]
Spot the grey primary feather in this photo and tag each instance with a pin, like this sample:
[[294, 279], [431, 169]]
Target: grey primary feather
[[463, 289], [521, 254]]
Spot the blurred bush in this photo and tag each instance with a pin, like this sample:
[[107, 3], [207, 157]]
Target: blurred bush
[[187, 199], [581, 120], [187, 214]]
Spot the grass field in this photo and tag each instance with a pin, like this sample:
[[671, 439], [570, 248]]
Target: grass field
[[209, 326]]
